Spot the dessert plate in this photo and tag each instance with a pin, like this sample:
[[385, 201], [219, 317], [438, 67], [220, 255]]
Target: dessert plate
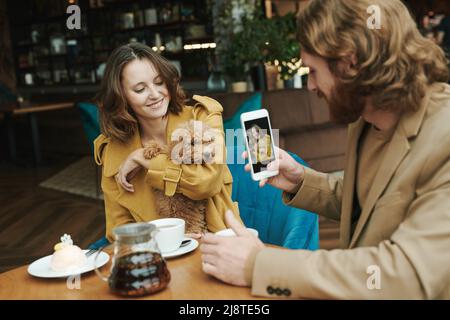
[[182, 250], [41, 267]]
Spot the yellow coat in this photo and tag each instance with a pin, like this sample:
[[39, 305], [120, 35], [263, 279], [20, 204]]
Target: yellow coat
[[206, 181]]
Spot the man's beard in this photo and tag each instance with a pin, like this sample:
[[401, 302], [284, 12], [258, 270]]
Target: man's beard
[[345, 104]]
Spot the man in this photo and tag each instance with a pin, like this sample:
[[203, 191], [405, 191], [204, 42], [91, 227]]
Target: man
[[394, 202]]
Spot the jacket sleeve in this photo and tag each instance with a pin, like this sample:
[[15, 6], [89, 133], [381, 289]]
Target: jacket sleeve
[[412, 264], [320, 193], [196, 181], [115, 214]]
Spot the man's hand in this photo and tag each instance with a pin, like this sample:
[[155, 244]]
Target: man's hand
[[290, 172], [129, 168], [225, 257]]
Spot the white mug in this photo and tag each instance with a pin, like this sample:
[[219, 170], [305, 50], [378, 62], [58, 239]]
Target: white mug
[[170, 233]]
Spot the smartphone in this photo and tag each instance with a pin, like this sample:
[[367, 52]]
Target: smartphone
[[259, 142]]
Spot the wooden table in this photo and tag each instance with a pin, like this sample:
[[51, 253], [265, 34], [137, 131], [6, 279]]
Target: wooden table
[[31, 113], [188, 281]]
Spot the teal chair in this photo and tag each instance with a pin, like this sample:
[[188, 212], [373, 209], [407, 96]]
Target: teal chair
[[263, 210], [90, 120]]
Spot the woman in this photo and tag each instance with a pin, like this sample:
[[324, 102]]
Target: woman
[[140, 100]]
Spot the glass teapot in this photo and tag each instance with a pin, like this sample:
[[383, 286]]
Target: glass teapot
[[137, 265]]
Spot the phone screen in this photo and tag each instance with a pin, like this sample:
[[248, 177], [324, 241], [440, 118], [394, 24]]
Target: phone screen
[[259, 137]]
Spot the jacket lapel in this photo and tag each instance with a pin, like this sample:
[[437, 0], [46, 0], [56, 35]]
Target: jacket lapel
[[117, 152], [397, 149], [408, 127], [176, 120], [348, 191]]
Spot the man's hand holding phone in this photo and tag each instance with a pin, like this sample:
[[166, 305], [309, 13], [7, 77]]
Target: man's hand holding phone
[[290, 172]]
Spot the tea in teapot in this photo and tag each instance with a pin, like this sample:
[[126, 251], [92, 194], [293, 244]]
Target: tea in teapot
[[137, 265]]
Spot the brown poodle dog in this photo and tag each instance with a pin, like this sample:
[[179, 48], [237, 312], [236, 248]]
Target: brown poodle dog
[[195, 144]]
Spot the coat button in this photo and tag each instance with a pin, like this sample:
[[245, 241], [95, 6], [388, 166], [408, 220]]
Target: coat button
[[287, 292], [270, 290], [278, 291]]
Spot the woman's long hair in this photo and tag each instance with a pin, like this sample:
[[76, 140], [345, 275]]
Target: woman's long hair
[[117, 120]]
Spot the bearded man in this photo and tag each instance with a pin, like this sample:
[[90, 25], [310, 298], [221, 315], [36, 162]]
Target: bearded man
[[393, 203]]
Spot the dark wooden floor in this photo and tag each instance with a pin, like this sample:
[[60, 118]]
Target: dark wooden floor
[[33, 218]]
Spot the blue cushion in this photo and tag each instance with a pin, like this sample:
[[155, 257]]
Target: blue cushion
[[263, 209], [90, 118]]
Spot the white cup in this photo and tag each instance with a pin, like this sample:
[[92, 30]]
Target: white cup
[[170, 233], [231, 233]]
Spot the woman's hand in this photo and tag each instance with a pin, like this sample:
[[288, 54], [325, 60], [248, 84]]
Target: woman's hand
[[290, 172], [129, 168]]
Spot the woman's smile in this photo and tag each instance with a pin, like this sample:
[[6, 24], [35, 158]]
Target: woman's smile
[[155, 105]]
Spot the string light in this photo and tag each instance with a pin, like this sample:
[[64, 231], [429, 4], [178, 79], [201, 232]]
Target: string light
[[196, 46]]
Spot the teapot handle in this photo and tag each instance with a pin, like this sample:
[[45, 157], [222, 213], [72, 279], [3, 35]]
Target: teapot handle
[[97, 271]]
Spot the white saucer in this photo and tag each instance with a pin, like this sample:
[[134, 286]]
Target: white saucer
[[41, 267], [182, 250]]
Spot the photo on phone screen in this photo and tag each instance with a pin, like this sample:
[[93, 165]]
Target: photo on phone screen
[[259, 137]]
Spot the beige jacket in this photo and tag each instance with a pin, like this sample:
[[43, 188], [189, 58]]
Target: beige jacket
[[403, 232]]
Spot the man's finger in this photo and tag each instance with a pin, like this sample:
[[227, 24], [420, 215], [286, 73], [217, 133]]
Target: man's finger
[[274, 165], [262, 183], [234, 224], [210, 238], [247, 167], [244, 155], [209, 259], [210, 249], [210, 269]]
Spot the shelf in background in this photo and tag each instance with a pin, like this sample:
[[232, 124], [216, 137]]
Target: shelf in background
[[192, 85], [36, 37]]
